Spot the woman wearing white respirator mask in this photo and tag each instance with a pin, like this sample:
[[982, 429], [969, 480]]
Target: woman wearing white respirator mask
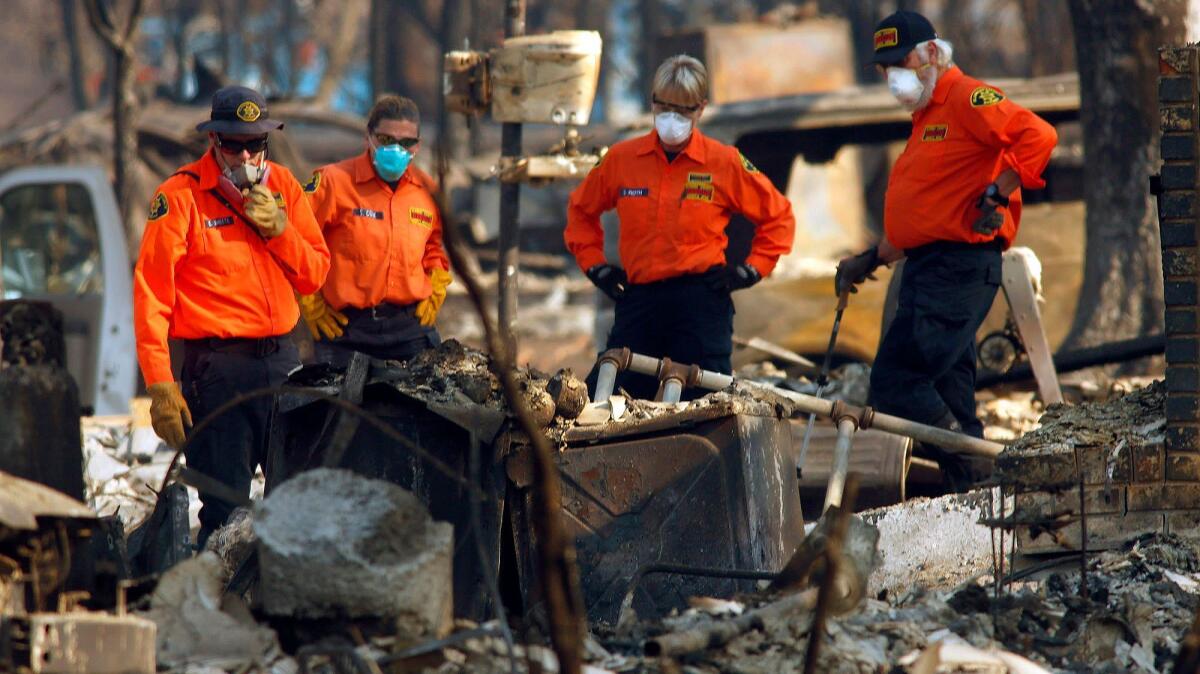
[[674, 190], [953, 205]]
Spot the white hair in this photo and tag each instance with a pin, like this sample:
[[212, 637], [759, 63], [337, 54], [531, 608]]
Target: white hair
[[945, 57]]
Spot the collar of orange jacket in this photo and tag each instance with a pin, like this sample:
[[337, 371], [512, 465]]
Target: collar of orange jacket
[[696, 147]]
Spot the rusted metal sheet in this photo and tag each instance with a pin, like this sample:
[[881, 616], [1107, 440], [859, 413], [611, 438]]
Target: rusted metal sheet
[[700, 489], [23, 501], [80, 643]]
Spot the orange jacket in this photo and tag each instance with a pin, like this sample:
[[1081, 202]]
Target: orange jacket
[[384, 243], [967, 135], [204, 272], [673, 215]]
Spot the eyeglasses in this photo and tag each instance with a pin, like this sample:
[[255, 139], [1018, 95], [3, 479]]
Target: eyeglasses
[[253, 146], [671, 107], [382, 139]]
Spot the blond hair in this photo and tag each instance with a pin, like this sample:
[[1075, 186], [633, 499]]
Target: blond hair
[[683, 76]]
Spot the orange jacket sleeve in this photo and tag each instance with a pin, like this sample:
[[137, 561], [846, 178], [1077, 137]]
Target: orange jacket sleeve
[[164, 243], [321, 197], [584, 235], [1025, 139], [300, 249], [752, 195], [435, 255]]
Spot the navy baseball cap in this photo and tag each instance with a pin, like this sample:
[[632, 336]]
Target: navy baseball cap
[[239, 110], [896, 35]]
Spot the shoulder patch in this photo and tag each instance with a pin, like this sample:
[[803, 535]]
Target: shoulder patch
[[158, 207], [750, 168], [983, 96], [313, 183]]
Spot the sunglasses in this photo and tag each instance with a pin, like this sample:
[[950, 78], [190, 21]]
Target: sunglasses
[[253, 146], [671, 107], [382, 140]]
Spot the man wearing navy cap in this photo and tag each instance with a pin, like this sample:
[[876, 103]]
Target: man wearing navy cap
[[229, 241], [952, 207]]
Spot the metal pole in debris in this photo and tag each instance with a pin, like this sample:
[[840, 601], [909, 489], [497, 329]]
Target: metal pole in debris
[[846, 427], [510, 196]]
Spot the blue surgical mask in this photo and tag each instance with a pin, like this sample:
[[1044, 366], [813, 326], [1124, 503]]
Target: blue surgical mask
[[391, 161]]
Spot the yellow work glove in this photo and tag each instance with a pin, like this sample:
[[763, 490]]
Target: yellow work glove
[[427, 310], [322, 319], [169, 413], [264, 212]]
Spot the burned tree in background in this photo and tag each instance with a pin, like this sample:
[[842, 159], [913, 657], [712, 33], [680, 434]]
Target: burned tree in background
[[1116, 43], [119, 34]]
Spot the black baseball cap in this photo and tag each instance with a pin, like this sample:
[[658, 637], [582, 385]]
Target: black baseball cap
[[896, 35], [239, 110]]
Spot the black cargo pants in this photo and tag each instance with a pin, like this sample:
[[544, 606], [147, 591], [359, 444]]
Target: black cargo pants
[[925, 367], [235, 444], [688, 319]]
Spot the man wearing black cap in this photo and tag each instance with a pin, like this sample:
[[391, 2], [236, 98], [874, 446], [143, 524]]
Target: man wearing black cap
[[953, 205], [229, 242]]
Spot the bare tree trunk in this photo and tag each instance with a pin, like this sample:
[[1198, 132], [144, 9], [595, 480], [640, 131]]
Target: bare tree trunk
[[121, 40], [70, 20], [1050, 51], [341, 48], [378, 32], [1116, 43]]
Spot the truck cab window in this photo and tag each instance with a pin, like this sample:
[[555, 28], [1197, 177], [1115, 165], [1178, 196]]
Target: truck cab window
[[49, 242]]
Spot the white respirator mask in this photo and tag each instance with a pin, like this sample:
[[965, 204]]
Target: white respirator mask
[[905, 86], [672, 127]]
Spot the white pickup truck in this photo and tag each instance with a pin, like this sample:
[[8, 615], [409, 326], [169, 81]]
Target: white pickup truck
[[62, 241]]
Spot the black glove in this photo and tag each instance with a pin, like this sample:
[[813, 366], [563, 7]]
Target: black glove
[[854, 270], [610, 279], [990, 219], [741, 276]]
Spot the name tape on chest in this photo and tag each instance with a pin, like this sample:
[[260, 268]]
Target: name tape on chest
[[635, 191], [218, 222], [367, 213], [420, 216], [983, 96], [934, 133]]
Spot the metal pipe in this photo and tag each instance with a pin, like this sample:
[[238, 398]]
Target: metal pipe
[[672, 390], [846, 426], [509, 241], [950, 441], [1070, 361], [606, 380]]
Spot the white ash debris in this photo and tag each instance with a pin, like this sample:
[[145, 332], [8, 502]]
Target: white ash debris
[[1141, 604]]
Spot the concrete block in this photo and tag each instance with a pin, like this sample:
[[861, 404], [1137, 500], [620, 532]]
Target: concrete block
[[1177, 117], [1181, 321], [1103, 465], [1178, 146], [1180, 438], [1175, 89], [1097, 500], [1177, 60], [1178, 293], [333, 543], [1148, 463], [1180, 262], [1182, 407], [1183, 379], [1180, 204], [1164, 496], [1183, 350], [1037, 467], [1183, 468], [1180, 176], [1176, 234], [1185, 523]]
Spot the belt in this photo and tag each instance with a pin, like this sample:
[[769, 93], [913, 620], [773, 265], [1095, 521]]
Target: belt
[[954, 246], [259, 347], [380, 311], [717, 271]]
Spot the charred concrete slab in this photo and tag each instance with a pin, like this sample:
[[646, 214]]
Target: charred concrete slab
[[335, 544]]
